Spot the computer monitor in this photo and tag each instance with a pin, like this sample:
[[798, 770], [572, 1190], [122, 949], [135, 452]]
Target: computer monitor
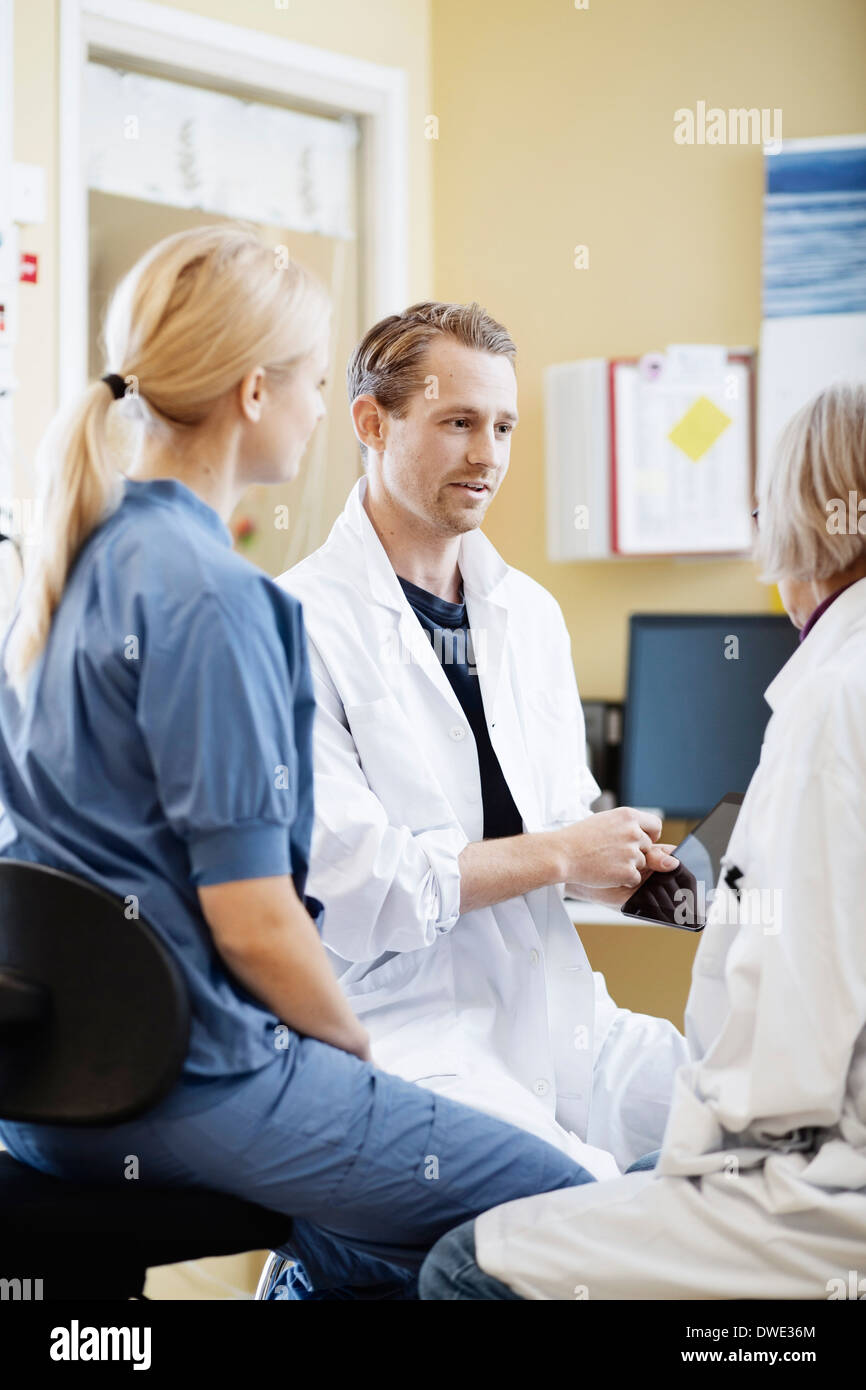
[[695, 710]]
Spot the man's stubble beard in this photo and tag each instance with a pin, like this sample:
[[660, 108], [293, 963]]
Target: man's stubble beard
[[456, 522]]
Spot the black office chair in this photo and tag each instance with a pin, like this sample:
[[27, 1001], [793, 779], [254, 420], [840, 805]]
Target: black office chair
[[94, 1027]]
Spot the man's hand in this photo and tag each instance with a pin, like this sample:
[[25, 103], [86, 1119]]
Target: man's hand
[[658, 858], [605, 856], [609, 849]]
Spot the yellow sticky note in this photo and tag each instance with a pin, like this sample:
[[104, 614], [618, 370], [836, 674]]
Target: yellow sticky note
[[699, 428]]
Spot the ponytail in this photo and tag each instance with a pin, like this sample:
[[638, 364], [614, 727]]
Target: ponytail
[[80, 488], [192, 317]]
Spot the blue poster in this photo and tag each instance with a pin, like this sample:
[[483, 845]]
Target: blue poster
[[814, 258]]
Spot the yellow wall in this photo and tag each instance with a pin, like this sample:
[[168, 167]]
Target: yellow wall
[[555, 128]]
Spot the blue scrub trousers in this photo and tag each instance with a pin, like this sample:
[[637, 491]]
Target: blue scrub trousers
[[372, 1169]]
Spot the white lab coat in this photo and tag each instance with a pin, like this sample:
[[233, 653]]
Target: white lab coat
[[497, 1007], [760, 1191]]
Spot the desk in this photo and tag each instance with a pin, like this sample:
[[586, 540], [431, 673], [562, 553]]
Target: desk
[[587, 914]]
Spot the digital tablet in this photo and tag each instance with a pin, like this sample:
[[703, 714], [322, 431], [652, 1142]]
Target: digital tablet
[[681, 897]]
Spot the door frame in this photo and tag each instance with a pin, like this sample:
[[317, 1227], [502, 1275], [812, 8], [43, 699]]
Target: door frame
[[7, 349], [176, 43]]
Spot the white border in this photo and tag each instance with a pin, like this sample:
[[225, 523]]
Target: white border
[[823, 142], [208, 48]]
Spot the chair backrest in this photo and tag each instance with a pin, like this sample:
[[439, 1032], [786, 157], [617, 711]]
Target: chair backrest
[[94, 1012]]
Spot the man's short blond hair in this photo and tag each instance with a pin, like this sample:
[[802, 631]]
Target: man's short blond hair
[[390, 361], [817, 469]]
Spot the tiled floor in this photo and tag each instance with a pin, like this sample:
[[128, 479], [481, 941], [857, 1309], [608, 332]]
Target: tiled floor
[[226, 1276]]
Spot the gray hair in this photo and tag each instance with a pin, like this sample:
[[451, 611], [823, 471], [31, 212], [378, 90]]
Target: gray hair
[[811, 524]]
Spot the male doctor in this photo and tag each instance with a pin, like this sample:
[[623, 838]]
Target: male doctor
[[452, 791]]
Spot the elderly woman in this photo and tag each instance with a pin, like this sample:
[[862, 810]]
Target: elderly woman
[[760, 1188]]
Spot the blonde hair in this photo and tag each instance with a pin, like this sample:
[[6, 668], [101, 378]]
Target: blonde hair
[[389, 362], [191, 318], [819, 461]]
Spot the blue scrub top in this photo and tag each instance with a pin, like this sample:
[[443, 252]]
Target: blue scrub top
[[165, 741]]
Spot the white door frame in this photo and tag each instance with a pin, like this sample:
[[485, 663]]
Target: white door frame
[[7, 117], [176, 42]]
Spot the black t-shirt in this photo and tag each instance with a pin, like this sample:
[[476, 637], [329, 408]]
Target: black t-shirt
[[447, 627]]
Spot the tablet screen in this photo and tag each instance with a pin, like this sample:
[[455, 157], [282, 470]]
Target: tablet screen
[[681, 897]]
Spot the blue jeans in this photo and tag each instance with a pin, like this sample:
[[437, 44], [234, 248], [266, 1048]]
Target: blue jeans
[[464, 1272], [372, 1169], [451, 1271]]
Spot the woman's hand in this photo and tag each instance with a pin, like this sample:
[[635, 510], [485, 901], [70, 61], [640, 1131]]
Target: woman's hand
[[269, 941]]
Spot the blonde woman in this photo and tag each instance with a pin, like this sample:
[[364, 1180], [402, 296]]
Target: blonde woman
[[760, 1188], [155, 738]]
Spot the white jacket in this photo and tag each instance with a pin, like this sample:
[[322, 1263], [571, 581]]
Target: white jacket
[[499, 1006], [760, 1190], [776, 1017]]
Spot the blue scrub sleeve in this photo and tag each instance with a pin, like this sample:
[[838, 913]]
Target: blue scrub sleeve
[[215, 706]]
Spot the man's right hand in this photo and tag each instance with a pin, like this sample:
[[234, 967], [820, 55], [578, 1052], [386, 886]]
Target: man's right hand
[[609, 849]]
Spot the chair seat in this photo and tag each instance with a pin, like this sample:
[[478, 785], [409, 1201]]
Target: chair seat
[[96, 1241]]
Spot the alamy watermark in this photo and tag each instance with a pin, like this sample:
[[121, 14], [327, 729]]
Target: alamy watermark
[[20, 1290], [737, 126], [452, 646], [852, 1287], [846, 518], [752, 907], [77, 1343]]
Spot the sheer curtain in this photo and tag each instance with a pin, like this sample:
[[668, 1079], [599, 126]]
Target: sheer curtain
[[162, 155]]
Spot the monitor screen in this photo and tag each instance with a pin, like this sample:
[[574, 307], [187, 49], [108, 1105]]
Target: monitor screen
[[695, 711]]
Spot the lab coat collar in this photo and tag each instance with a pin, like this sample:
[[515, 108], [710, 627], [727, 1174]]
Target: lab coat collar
[[846, 613], [481, 565], [483, 571]]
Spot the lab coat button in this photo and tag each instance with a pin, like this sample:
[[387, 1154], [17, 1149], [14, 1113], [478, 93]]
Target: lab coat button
[[457, 732], [534, 957], [541, 1087]]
